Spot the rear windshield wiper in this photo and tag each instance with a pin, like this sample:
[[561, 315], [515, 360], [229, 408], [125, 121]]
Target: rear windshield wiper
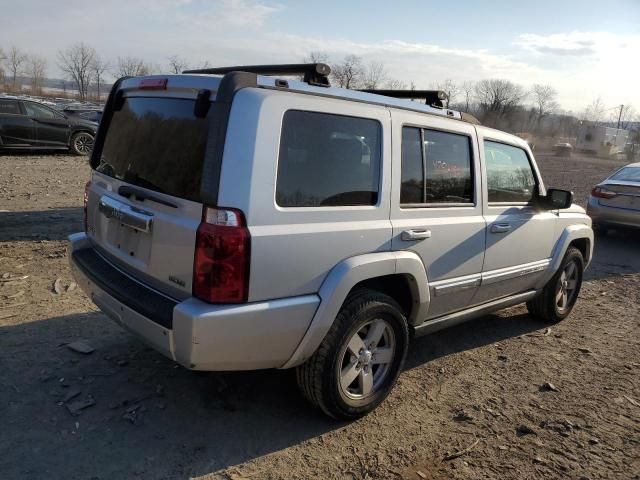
[[127, 191]]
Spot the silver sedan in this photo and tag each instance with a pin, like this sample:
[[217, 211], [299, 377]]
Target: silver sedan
[[616, 200]]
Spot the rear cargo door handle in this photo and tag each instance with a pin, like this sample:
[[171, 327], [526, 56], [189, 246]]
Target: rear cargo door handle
[[500, 228], [417, 234]]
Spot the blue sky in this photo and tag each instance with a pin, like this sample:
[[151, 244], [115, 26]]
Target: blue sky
[[585, 49]]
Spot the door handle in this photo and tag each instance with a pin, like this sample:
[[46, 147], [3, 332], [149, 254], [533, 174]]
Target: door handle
[[418, 234], [500, 228]]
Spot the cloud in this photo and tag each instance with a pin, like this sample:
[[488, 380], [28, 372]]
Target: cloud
[[575, 43], [232, 13]]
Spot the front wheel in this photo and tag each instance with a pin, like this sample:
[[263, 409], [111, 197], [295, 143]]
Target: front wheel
[[559, 296], [82, 143], [359, 360]]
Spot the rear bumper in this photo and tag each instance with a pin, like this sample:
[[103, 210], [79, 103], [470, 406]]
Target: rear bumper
[[196, 334], [613, 216]]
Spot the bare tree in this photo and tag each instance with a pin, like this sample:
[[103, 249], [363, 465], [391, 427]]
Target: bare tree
[[374, 75], [98, 69], [467, 90], [627, 116], [499, 96], [544, 100], [3, 57], [595, 111], [316, 57], [451, 89], [348, 73], [131, 67], [36, 68], [76, 62], [395, 84], [16, 59], [177, 64]]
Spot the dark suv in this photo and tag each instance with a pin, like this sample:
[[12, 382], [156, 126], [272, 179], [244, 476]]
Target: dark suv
[[30, 125]]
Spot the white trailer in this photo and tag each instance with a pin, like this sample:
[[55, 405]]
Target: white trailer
[[601, 140]]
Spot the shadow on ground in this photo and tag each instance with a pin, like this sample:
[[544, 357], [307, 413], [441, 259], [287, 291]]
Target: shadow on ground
[[53, 224], [152, 418], [614, 254]]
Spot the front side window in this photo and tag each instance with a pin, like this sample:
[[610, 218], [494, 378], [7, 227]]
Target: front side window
[[328, 160], [38, 111], [509, 174], [9, 106], [436, 168]]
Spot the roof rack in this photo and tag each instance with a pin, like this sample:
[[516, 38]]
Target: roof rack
[[314, 73], [432, 97]]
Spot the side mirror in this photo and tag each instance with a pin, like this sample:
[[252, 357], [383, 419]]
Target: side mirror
[[556, 199]]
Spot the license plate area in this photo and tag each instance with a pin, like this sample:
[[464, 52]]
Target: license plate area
[[129, 230]]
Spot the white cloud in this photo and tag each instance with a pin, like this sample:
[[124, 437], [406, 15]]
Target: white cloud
[[232, 13]]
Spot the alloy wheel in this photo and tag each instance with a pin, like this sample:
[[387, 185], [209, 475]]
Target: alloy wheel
[[366, 359]]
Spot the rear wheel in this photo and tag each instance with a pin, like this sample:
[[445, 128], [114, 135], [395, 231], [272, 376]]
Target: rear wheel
[[559, 295], [82, 143], [360, 358]]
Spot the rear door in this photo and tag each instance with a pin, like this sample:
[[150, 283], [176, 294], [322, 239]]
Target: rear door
[[436, 207], [144, 203], [51, 128], [16, 129]]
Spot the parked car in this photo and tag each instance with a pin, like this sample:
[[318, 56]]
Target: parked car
[[28, 125], [615, 202], [248, 221], [563, 149], [92, 115]]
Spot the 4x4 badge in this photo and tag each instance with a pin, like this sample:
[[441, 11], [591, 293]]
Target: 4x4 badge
[[177, 280]]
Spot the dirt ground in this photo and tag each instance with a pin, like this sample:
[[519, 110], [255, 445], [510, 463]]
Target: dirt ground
[[475, 390]]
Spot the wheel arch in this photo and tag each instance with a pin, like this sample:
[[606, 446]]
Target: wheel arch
[[580, 236], [390, 272]]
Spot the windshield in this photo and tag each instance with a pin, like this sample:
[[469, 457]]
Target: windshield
[[156, 143], [627, 174]]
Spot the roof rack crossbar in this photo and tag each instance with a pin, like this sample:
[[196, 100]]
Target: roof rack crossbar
[[432, 97], [314, 73]]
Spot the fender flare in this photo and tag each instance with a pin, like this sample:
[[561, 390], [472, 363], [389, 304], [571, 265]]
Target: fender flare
[[348, 273], [569, 234]]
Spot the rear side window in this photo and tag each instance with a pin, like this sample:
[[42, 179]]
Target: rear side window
[[9, 106], [627, 174], [156, 143], [509, 174], [328, 160], [436, 168], [38, 111]]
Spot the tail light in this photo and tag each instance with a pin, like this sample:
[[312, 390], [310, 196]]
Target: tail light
[[221, 264], [86, 200], [601, 192]]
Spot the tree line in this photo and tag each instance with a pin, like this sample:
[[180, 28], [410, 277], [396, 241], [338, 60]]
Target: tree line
[[495, 102]]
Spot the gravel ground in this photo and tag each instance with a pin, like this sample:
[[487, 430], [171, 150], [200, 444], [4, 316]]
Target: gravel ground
[[475, 392]]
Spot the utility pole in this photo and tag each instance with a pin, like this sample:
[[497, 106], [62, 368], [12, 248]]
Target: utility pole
[[620, 116]]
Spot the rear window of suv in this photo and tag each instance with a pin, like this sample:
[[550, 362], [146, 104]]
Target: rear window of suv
[[328, 160], [156, 143]]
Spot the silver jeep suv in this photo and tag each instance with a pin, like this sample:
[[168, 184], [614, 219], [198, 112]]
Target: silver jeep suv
[[237, 219]]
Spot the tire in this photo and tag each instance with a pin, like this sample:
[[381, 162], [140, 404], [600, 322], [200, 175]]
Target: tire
[[323, 379], [81, 143], [552, 306]]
